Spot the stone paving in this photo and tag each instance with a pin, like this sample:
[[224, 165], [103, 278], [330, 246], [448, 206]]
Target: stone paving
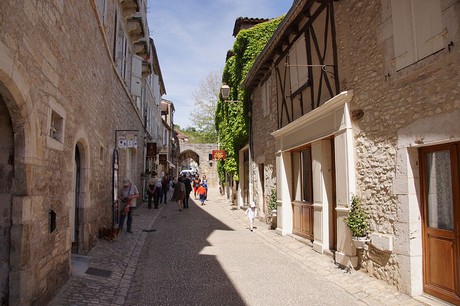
[[120, 257]]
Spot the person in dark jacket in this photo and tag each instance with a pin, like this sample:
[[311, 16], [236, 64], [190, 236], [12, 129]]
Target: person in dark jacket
[[188, 189]]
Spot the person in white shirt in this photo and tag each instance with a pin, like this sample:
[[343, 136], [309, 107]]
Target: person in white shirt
[[251, 212]]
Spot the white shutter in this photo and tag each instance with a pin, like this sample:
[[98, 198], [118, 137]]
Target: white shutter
[[293, 69], [403, 33], [302, 69], [428, 27], [136, 76]]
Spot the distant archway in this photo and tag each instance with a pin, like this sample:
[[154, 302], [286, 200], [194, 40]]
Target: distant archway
[[188, 159]]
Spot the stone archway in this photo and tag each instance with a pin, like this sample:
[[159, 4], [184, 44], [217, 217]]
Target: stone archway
[[6, 177], [199, 153], [188, 159]]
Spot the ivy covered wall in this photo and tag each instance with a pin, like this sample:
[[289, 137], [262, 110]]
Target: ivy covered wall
[[232, 120]]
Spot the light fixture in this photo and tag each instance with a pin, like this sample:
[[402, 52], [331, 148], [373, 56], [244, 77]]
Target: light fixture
[[225, 93]]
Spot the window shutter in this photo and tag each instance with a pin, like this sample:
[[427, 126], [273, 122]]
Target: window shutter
[[428, 27], [403, 33], [136, 76], [302, 69], [293, 69]]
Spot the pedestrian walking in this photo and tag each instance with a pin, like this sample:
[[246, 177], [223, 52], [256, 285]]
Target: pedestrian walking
[[251, 212], [202, 193], [188, 189], [205, 185], [165, 189], [151, 192], [196, 184], [179, 193], [128, 196]]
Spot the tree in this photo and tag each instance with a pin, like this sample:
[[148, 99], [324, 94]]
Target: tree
[[206, 97]]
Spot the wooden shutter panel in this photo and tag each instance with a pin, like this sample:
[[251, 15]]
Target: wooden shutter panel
[[136, 76], [293, 69], [302, 69], [428, 27], [403, 33]]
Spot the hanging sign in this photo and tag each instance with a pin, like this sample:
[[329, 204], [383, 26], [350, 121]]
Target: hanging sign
[[151, 149], [218, 154]]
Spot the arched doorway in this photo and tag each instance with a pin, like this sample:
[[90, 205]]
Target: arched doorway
[[77, 209], [189, 160], [6, 177], [75, 217]]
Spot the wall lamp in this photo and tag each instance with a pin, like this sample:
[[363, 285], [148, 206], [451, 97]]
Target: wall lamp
[[225, 93]]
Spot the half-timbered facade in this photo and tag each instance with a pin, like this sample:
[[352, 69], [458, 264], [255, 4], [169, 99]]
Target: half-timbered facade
[[366, 103]]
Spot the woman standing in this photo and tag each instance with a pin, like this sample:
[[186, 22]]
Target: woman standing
[[179, 193]]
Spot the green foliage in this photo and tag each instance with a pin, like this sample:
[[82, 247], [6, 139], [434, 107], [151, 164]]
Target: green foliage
[[272, 200], [231, 120], [196, 136], [357, 218]]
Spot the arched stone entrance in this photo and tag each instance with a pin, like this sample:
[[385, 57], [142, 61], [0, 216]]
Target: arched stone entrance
[[199, 154], [189, 159], [6, 177]]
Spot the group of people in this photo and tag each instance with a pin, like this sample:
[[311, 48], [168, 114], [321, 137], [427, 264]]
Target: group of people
[[157, 191]]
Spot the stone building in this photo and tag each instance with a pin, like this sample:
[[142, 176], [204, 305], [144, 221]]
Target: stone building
[[366, 102], [73, 92]]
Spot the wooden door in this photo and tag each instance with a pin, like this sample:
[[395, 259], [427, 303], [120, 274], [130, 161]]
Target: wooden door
[[302, 204], [441, 222]]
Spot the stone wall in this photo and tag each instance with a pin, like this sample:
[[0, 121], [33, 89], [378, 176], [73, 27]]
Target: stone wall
[[263, 145], [390, 101], [53, 58]]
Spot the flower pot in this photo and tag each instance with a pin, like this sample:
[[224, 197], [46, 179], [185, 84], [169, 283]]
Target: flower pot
[[360, 242]]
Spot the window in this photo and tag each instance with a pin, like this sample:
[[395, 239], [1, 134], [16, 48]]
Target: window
[[298, 70], [307, 188], [56, 125], [136, 78], [303, 175], [266, 96], [417, 30]]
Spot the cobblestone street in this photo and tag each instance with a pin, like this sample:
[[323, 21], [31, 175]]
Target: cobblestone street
[[205, 255]]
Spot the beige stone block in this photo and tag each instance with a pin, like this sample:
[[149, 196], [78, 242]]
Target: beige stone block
[[21, 287], [22, 209], [382, 241], [6, 61], [411, 274]]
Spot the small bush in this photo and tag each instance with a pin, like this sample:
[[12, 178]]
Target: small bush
[[357, 219]]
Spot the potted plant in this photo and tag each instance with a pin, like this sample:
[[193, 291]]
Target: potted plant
[[272, 206], [357, 222]]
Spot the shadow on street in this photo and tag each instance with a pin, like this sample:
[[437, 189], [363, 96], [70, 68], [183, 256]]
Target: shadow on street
[[172, 269]]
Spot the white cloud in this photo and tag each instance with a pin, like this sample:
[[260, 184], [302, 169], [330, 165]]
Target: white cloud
[[192, 39]]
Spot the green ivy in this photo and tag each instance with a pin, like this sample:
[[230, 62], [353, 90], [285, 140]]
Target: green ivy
[[232, 122]]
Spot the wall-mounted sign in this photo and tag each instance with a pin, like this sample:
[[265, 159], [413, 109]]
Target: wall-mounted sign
[[163, 159], [218, 154], [151, 149], [127, 141]]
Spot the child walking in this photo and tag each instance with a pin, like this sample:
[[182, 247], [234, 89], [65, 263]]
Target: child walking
[[202, 193], [251, 212]]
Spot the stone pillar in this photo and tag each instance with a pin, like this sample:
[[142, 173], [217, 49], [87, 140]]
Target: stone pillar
[[284, 183]]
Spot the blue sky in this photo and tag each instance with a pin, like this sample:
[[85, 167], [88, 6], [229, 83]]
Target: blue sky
[[192, 38]]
